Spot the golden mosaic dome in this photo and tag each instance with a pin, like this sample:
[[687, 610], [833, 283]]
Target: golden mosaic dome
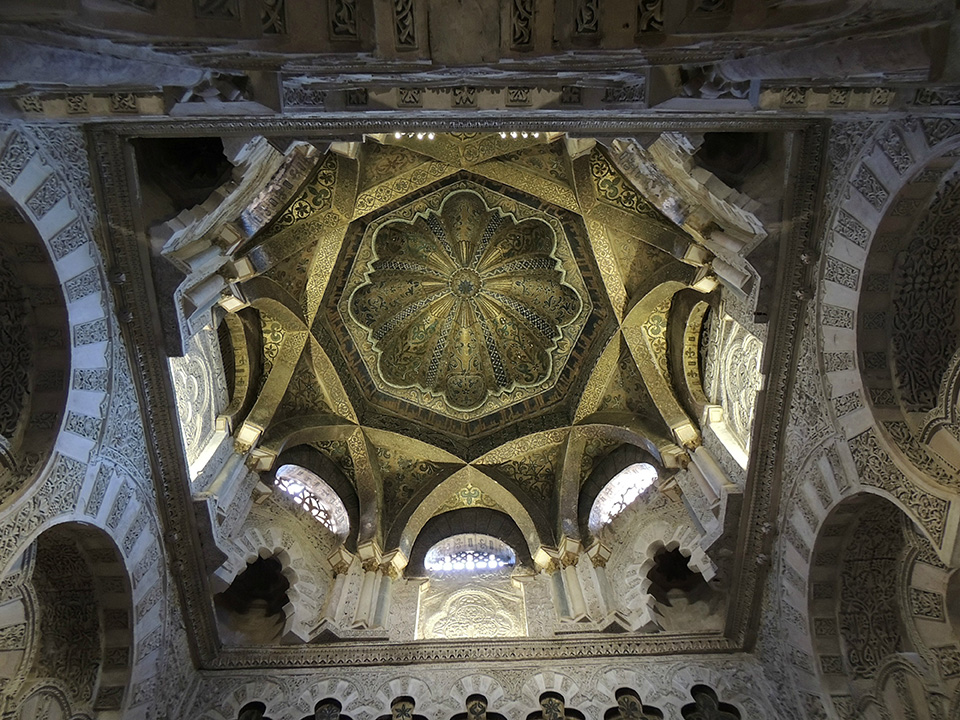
[[465, 301]]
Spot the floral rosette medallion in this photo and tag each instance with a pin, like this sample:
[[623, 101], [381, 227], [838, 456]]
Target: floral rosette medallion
[[466, 303]]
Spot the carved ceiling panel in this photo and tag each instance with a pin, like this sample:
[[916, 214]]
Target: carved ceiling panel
[[468, 306]]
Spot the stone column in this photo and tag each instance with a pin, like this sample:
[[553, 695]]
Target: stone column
[[390, 570], [340, 561], [571, 583], [370, 559], [599, 554]]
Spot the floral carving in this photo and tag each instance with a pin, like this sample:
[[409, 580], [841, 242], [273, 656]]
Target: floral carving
[[14, 351], [925, 332], [868, 619], [465, 302], [476, 613]]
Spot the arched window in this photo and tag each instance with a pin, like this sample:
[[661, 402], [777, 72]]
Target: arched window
[[469, 553], [625, 487], [315, 496]]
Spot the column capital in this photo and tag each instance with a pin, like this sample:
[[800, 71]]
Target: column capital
[[598, 554], [340, 560]]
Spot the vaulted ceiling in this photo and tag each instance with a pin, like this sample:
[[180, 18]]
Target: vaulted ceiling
[[466, 300]]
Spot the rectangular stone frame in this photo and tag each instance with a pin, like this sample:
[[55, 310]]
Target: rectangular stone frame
[[125, 254]]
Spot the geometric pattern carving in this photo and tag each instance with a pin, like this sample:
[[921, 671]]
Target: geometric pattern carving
[[15, 157], [870, 187]]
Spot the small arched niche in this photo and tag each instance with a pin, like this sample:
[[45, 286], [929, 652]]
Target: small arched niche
[[881, 633], [77, 610], [34, 355]]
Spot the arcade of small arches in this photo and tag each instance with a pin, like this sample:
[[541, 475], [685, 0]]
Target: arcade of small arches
[[704, 705]]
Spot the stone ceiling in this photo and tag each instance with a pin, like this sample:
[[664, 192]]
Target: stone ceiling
[[451, 292]]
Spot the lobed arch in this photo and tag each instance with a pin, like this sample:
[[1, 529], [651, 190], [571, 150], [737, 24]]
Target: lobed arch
[[724, 691], [341, 690], [481, 685], [405, 530], [638, 600], [269, 694], [552, 683], [477, 520], [307, 582], [407, 687]]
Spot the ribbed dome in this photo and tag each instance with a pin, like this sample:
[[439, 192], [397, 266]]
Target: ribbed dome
[[465, 302]]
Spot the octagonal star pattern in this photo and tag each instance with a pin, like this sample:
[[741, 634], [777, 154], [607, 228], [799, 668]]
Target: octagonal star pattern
[[465, 301]]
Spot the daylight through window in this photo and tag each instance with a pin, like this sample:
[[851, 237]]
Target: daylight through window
[[468, 553], [315, 496], [625, 487]]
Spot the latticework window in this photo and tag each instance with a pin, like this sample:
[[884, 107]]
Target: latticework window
[[469, 552], [622, 490], [315, 496]]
